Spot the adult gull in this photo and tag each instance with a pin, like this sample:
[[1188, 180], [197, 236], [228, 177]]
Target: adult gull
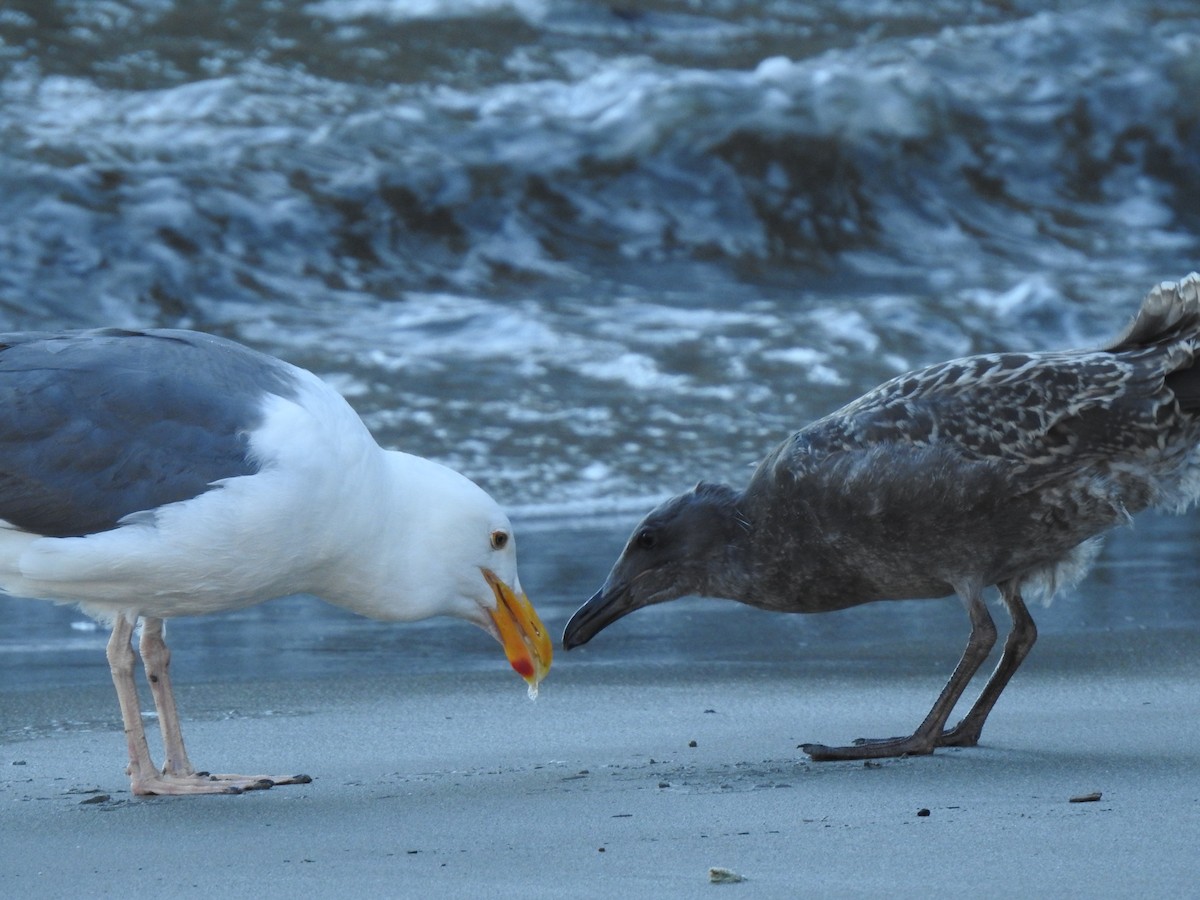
[[160, 473], [999, 469]]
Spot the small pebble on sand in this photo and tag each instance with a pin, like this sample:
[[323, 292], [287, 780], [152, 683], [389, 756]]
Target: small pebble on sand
[[719, 875]]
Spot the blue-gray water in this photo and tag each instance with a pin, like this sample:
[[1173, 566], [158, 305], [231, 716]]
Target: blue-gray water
[[588, 253]]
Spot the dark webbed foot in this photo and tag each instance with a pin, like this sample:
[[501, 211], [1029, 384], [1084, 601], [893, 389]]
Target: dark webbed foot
[[866, 748], [964, 734], [932, 733]]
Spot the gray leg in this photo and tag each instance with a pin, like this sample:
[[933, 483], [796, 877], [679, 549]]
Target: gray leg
[[1016, 647], [929, 733]]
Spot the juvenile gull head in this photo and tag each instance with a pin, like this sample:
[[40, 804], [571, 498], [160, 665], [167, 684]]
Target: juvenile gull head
[[682, 547]]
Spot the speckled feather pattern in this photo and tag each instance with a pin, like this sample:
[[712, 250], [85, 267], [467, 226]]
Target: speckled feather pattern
[[984, 468], [1002, 469]]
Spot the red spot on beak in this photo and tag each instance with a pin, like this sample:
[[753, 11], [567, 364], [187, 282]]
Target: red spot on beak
[[517, 626]]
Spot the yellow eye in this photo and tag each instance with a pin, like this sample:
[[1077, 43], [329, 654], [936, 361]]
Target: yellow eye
[[499, 540]]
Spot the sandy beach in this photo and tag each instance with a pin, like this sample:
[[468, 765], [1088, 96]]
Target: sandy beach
[[589, 254], [456, 785]]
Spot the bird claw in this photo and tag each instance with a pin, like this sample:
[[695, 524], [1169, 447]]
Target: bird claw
[[960, 736], [207, 783], [865, 742], [865, 748], [260, 782]]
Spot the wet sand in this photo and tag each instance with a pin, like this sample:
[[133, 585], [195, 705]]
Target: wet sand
[[457, 785]]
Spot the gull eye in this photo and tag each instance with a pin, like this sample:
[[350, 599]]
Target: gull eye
[[499, 539], [646, 539]]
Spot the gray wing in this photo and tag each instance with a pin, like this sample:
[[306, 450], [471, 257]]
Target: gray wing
[[97, 425], [1131, 402], [1022, 410], [1008, 460]]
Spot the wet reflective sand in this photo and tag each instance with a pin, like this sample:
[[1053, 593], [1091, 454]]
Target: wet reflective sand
[[434, 774]]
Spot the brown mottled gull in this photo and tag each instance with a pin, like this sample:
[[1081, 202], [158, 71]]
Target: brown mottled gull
[[1001, 469]]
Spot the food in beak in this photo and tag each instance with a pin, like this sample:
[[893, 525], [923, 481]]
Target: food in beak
[[526, 643]]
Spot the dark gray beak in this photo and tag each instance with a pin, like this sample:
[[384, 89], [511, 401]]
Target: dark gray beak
[[605, 607]]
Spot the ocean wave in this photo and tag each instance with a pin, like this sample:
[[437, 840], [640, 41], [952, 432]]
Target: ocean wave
[[606, 164], [405, 10], [586, 252]]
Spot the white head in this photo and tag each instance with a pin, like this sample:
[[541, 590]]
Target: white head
[[449, 549]]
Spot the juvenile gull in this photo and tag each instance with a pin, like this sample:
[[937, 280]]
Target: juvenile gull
[[151, 474], [999, 469]]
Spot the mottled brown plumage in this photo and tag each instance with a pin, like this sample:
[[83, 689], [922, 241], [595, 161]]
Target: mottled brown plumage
[[1000, 469]]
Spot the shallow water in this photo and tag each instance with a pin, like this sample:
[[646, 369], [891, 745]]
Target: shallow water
[[590, 253], [1144, 580]]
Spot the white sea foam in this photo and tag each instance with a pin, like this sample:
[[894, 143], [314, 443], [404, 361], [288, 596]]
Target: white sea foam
[[405, 10]]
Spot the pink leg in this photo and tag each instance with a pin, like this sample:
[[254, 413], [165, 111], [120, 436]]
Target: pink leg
[[178, 777], [178, 774], [120, 663], [156, 657]]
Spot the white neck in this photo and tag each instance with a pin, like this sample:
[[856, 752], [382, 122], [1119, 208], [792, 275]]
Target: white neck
[[386, 566]]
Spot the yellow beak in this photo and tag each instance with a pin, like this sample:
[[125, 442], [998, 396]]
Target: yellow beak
[[526, 643]]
